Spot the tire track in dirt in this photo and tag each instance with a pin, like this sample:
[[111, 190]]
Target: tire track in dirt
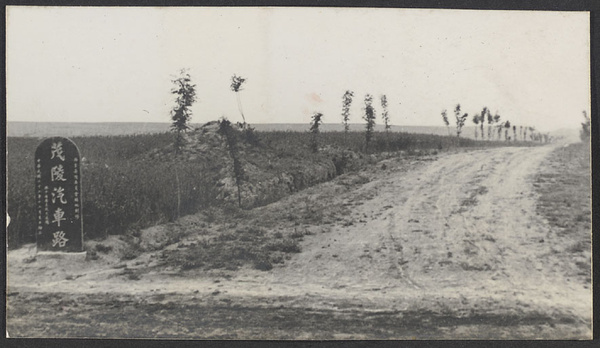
[[464, 225], [467, 199], [421, 201]]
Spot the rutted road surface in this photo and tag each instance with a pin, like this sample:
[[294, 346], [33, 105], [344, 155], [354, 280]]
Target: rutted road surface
[[451, 248]]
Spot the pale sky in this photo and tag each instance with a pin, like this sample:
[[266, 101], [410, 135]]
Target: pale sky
[[116, 64]]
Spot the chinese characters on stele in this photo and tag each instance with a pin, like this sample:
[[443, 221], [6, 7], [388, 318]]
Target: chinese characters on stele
[[58, 196]]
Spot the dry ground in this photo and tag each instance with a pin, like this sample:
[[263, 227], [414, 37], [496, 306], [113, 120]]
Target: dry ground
[[460, 245]]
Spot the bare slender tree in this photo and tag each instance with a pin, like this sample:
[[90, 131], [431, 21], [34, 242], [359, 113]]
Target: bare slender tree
[[506, 128], [498, 126], [460, 120], [314, 130], [476, 121], [181, 113], [482, 119], [370, 119], [445, 119], [490, 120], [346, 102], [532, 133], [236, 86], [385, 114], [226, 130], [521, 132]]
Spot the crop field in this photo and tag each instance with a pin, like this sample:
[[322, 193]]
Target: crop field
[[125, 189]]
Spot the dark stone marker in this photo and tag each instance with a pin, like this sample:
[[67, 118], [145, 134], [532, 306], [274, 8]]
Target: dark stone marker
[[58, 196]]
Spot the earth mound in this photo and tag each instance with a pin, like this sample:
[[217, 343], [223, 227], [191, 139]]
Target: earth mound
[[269, 171]]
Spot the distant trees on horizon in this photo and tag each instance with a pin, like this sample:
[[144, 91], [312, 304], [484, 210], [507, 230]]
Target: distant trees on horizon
[[185, 92], [494, 121]]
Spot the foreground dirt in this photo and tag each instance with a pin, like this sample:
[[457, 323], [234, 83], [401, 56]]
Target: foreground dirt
[[447, 246]]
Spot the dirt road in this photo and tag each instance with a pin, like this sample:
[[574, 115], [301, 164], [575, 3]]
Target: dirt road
[[450, 248]]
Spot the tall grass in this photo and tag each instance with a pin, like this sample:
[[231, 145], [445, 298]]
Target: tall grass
[[122, 188], [118, 191]]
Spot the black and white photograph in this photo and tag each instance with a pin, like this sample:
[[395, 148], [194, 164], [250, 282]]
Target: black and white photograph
[[298, 173]]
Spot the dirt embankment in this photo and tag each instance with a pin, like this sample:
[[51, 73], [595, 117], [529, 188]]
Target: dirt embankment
[[446, 246], [268, 174]]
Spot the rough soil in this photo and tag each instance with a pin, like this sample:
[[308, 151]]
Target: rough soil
[[448, 246]]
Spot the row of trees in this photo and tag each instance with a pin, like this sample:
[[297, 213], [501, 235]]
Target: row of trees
[[186, 96], [369, 110], [185, 92], [494, 126], [369, 117]]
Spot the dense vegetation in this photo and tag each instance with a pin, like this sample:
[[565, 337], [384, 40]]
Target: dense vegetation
[[125, 189], [117, 192]]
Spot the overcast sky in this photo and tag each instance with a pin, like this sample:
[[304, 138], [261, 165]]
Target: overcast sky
[[116, 64]]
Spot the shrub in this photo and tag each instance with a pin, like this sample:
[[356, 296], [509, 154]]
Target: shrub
[[101, 248], [263, 265], [285, 245]]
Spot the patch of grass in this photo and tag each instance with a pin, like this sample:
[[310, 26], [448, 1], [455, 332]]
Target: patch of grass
[[263, 265], [132, 247], [101, 248], [286, 245], [231, 250], [131, 252], [563, 188], [297, 234], [91, 255], [565, 200], [130, 274]]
